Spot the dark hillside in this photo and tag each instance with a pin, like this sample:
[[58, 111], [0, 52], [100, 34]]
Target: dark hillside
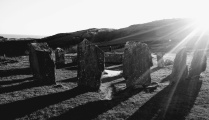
[[167, 32]]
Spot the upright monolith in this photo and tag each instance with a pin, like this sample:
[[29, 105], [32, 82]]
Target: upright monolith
[[41, 63], [160, 60], [136, 64], [180, 69], [59, 57], [198, 64], [90, 65]]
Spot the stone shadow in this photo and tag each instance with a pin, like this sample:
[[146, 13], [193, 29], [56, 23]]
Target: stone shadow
[[93, 109], [172, 103], [24, 107], [15, 81], [74, 80], [68, 66], [27, 83], [114, 67], [155, 69], [166, 79], [19, 71]]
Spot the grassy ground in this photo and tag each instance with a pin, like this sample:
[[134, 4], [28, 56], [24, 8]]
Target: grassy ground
[[21, 97]]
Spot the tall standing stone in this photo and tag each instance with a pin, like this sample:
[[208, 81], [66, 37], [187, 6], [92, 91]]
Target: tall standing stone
[[41, 63], [136, 64], [90, 65], [160, 60], [59, 57], [198, 64], [180, 69]]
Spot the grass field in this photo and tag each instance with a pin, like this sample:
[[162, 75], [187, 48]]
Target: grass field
[[21, 97]]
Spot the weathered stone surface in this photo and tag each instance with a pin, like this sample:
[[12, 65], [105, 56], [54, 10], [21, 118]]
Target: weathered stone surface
[[111, 57], [180, 69], [41, 63], [90, 65], [160, 60], [198, 64], [136, 64], [59, 57]]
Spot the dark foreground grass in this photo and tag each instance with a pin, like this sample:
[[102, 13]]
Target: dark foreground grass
[[21, 97]]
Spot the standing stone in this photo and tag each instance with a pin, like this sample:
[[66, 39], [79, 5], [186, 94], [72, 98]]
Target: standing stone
[[59, 57], [198, 64], [204, 64], [90, 65], [180, 69], [160, 60], [41, 63], [136, 64]]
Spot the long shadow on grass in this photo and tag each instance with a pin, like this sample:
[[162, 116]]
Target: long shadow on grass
[[93, 109], [15, 81], [21, 108], [75, 79], [20, 71], [28, 83], [68, 66], [155, 69], [114, 66], [172, 103]]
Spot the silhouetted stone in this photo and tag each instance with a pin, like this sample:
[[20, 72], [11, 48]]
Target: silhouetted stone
[[180, 69], [198, 64], [59, 57], [160, 60], [136, 64], [41, 63], [90, 65]]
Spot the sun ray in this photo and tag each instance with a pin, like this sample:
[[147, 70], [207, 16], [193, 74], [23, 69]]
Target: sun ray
[[133, 37], [184, 41]]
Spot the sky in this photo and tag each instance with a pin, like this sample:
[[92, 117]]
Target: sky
[[48, 17]]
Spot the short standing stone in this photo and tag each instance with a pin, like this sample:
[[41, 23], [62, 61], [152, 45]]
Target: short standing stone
[[59, 57], [160, 60], [90, 65], [41, 63], [198, 64], [136, 64], [180, 69]]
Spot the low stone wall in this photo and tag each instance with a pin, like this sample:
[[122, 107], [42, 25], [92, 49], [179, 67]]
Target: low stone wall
[[113, 57]]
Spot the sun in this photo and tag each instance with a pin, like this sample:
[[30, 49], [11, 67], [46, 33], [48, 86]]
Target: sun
[[202, 23]]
